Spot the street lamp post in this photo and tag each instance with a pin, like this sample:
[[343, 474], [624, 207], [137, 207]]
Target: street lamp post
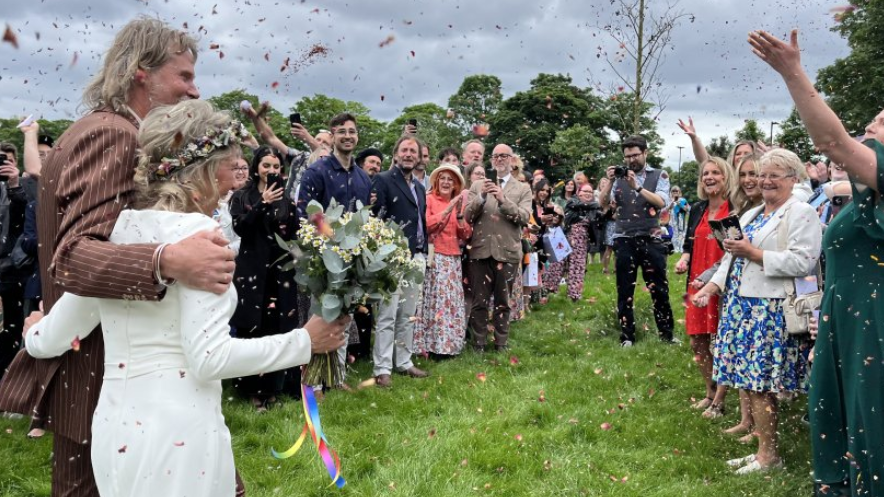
[[772, 123]]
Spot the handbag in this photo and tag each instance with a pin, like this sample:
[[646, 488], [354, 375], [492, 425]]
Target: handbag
[[798, 309], [556, 245]]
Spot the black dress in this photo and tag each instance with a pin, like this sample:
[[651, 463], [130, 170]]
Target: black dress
[[267, 295]]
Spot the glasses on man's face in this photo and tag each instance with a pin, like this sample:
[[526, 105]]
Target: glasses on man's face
[[345, 132], [632, 156], [500, 156], [774, 177]]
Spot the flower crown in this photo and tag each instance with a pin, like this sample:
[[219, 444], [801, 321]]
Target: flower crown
[[200, 148]]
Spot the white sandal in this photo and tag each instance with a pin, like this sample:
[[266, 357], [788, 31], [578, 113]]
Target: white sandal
[[756, 467], [741, 461]]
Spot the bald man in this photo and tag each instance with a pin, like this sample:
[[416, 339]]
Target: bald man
[[498, 210]]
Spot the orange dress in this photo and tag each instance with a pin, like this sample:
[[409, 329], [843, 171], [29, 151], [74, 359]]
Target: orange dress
[[705, 254]]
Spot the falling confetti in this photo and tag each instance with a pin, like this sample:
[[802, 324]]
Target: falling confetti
[[9, 36], [390, 39]]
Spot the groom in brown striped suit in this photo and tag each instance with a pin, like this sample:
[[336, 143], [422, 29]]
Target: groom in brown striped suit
[[86, 181]]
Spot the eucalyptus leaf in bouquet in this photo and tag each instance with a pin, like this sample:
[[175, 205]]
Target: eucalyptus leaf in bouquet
[[347, 260]]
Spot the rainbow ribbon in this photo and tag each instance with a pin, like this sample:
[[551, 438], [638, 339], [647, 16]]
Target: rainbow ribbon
[[314, 427]]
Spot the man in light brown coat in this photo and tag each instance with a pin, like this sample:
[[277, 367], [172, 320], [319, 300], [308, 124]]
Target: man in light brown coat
[[498, 211]]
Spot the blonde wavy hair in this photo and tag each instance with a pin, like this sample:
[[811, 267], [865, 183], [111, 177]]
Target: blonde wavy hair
[[726, 171], [163, 133], [742, 203], [144, 44]]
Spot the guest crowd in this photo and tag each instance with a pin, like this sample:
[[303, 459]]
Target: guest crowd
[[493, 241]]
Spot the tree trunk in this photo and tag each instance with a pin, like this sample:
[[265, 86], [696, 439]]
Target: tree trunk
[[639, 94]]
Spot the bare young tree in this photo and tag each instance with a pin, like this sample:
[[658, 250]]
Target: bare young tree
[[642, 38]]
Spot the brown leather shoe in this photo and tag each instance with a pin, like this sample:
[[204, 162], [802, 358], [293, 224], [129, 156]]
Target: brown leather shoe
[[383, 381], [414, 372]]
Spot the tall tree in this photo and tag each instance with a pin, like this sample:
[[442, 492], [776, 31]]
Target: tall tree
[[852, 85], [231, 100], [720, 147], [433, 127], [317, 111], [793, 136], [751, 131], [476, 101], [530, 120], [687, 177], [621, 109], [9, 133], [643, 38], [578, 149]]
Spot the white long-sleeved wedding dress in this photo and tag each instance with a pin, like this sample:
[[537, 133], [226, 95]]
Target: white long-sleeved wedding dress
[[158, 428]]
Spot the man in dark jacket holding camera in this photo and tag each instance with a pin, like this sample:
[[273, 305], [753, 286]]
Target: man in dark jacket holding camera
[[640, 192]]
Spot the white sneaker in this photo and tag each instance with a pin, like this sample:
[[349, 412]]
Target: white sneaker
[[626, 343]]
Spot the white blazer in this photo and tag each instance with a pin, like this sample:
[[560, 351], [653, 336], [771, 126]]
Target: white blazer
[[801, 254]]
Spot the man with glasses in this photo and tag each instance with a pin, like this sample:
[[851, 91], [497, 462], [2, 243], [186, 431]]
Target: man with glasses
[[336, 176], [498, 210], [640, 192]]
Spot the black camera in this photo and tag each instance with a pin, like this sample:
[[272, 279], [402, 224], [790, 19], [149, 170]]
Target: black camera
[[295, 118], [621, 171], [3, 159]]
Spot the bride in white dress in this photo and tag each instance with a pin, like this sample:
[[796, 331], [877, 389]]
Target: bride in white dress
[[158, 428]]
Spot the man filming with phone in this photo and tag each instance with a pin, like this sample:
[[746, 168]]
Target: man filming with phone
[[498, 210], [640, 192]]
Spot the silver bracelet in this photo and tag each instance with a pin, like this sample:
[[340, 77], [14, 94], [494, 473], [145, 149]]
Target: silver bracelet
[[156, 269]]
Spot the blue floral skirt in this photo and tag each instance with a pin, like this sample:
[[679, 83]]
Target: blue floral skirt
[[752, 350]]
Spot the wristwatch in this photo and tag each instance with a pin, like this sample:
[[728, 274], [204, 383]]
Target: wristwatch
[[639, 189]]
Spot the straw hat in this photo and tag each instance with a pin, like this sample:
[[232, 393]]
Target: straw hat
[[446, 168]]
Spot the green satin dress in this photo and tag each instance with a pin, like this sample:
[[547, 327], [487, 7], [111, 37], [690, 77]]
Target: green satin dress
[[847, 380]]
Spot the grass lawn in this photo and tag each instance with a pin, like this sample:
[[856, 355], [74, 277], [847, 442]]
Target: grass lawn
[[528, 422]]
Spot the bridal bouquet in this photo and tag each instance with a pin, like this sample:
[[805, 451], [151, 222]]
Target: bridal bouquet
[[347, 261]]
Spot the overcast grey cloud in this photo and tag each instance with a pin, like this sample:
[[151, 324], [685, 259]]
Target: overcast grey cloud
[[709, 74]]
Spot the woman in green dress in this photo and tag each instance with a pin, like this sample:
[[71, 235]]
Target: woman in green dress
[[846, 397]]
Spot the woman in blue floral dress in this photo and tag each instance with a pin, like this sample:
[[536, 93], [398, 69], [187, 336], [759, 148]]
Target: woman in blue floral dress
[[753, 351]]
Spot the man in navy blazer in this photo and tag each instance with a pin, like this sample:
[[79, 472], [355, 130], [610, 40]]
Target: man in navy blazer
[[401, 198]]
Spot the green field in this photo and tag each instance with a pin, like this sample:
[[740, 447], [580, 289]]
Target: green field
[[533, 427]]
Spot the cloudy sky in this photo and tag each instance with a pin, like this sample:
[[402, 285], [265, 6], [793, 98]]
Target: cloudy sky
[[389, 54]]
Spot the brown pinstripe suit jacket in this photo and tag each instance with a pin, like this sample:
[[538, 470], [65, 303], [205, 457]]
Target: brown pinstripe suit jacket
[[86, 181]]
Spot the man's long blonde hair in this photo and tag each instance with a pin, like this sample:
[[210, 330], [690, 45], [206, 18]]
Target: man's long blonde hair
[[144, 44]]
